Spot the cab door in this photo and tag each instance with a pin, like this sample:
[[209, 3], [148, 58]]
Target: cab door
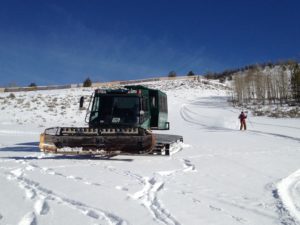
[[154, 108]]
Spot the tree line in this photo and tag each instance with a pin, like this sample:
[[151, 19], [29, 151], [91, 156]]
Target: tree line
[[268, 85]]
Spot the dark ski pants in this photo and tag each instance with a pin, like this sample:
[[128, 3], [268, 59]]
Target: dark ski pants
[[243, 125]]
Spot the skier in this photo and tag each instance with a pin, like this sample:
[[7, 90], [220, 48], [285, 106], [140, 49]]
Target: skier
[[242, 118]]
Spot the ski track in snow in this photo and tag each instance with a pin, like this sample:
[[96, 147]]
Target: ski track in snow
[[41, 207], [52, 172], [148, 196], [35, 190], [234, 204], [236, 218], [188, 166], [219, 201], [275, 135]]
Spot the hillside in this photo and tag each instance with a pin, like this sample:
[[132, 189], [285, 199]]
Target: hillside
[[221, 175]]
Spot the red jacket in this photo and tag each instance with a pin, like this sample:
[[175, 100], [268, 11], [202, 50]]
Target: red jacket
[[242, 117]]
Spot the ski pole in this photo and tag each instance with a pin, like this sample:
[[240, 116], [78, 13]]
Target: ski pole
[[249, 119], [250, 122]]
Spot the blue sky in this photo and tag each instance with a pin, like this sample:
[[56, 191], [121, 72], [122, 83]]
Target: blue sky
[[61, 42]]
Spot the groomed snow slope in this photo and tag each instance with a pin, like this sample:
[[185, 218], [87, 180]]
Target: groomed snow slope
[[222, 175]]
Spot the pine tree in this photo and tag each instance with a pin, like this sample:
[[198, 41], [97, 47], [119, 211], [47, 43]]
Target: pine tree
[[87, 82], [32, 85], [191, 73]]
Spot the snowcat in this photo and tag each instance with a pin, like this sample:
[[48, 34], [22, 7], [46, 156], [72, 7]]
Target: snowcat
[[120, 121]]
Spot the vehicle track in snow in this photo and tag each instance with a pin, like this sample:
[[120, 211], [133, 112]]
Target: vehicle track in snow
[[188, 116], [36, 192], [209, 122]]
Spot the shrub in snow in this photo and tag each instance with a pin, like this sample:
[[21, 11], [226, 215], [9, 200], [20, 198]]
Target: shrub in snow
[[20, 101], [11, 96], [27, 105]]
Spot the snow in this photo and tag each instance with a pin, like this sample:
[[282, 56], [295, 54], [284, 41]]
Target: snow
[[289, 191], [220, 176]]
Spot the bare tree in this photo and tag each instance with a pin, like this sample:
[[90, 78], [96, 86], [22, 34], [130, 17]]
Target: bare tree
[[272, 84]]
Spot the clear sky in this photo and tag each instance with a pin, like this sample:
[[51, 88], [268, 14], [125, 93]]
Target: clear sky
[[65, 41]]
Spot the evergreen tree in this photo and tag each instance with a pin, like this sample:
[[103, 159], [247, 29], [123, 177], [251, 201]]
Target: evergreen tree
[[32, 85], [172, 74], [87, 82], [191, 73]]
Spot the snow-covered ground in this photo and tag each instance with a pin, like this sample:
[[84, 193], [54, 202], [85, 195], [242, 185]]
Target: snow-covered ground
[[221, 176]]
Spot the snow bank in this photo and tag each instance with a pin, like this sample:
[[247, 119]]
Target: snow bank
[[289, 192]]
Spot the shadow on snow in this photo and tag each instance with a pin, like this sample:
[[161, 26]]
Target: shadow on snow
[[59, 157], [22, 147], [31, 147]]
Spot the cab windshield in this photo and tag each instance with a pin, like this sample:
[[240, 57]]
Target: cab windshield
[[109, 110]]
